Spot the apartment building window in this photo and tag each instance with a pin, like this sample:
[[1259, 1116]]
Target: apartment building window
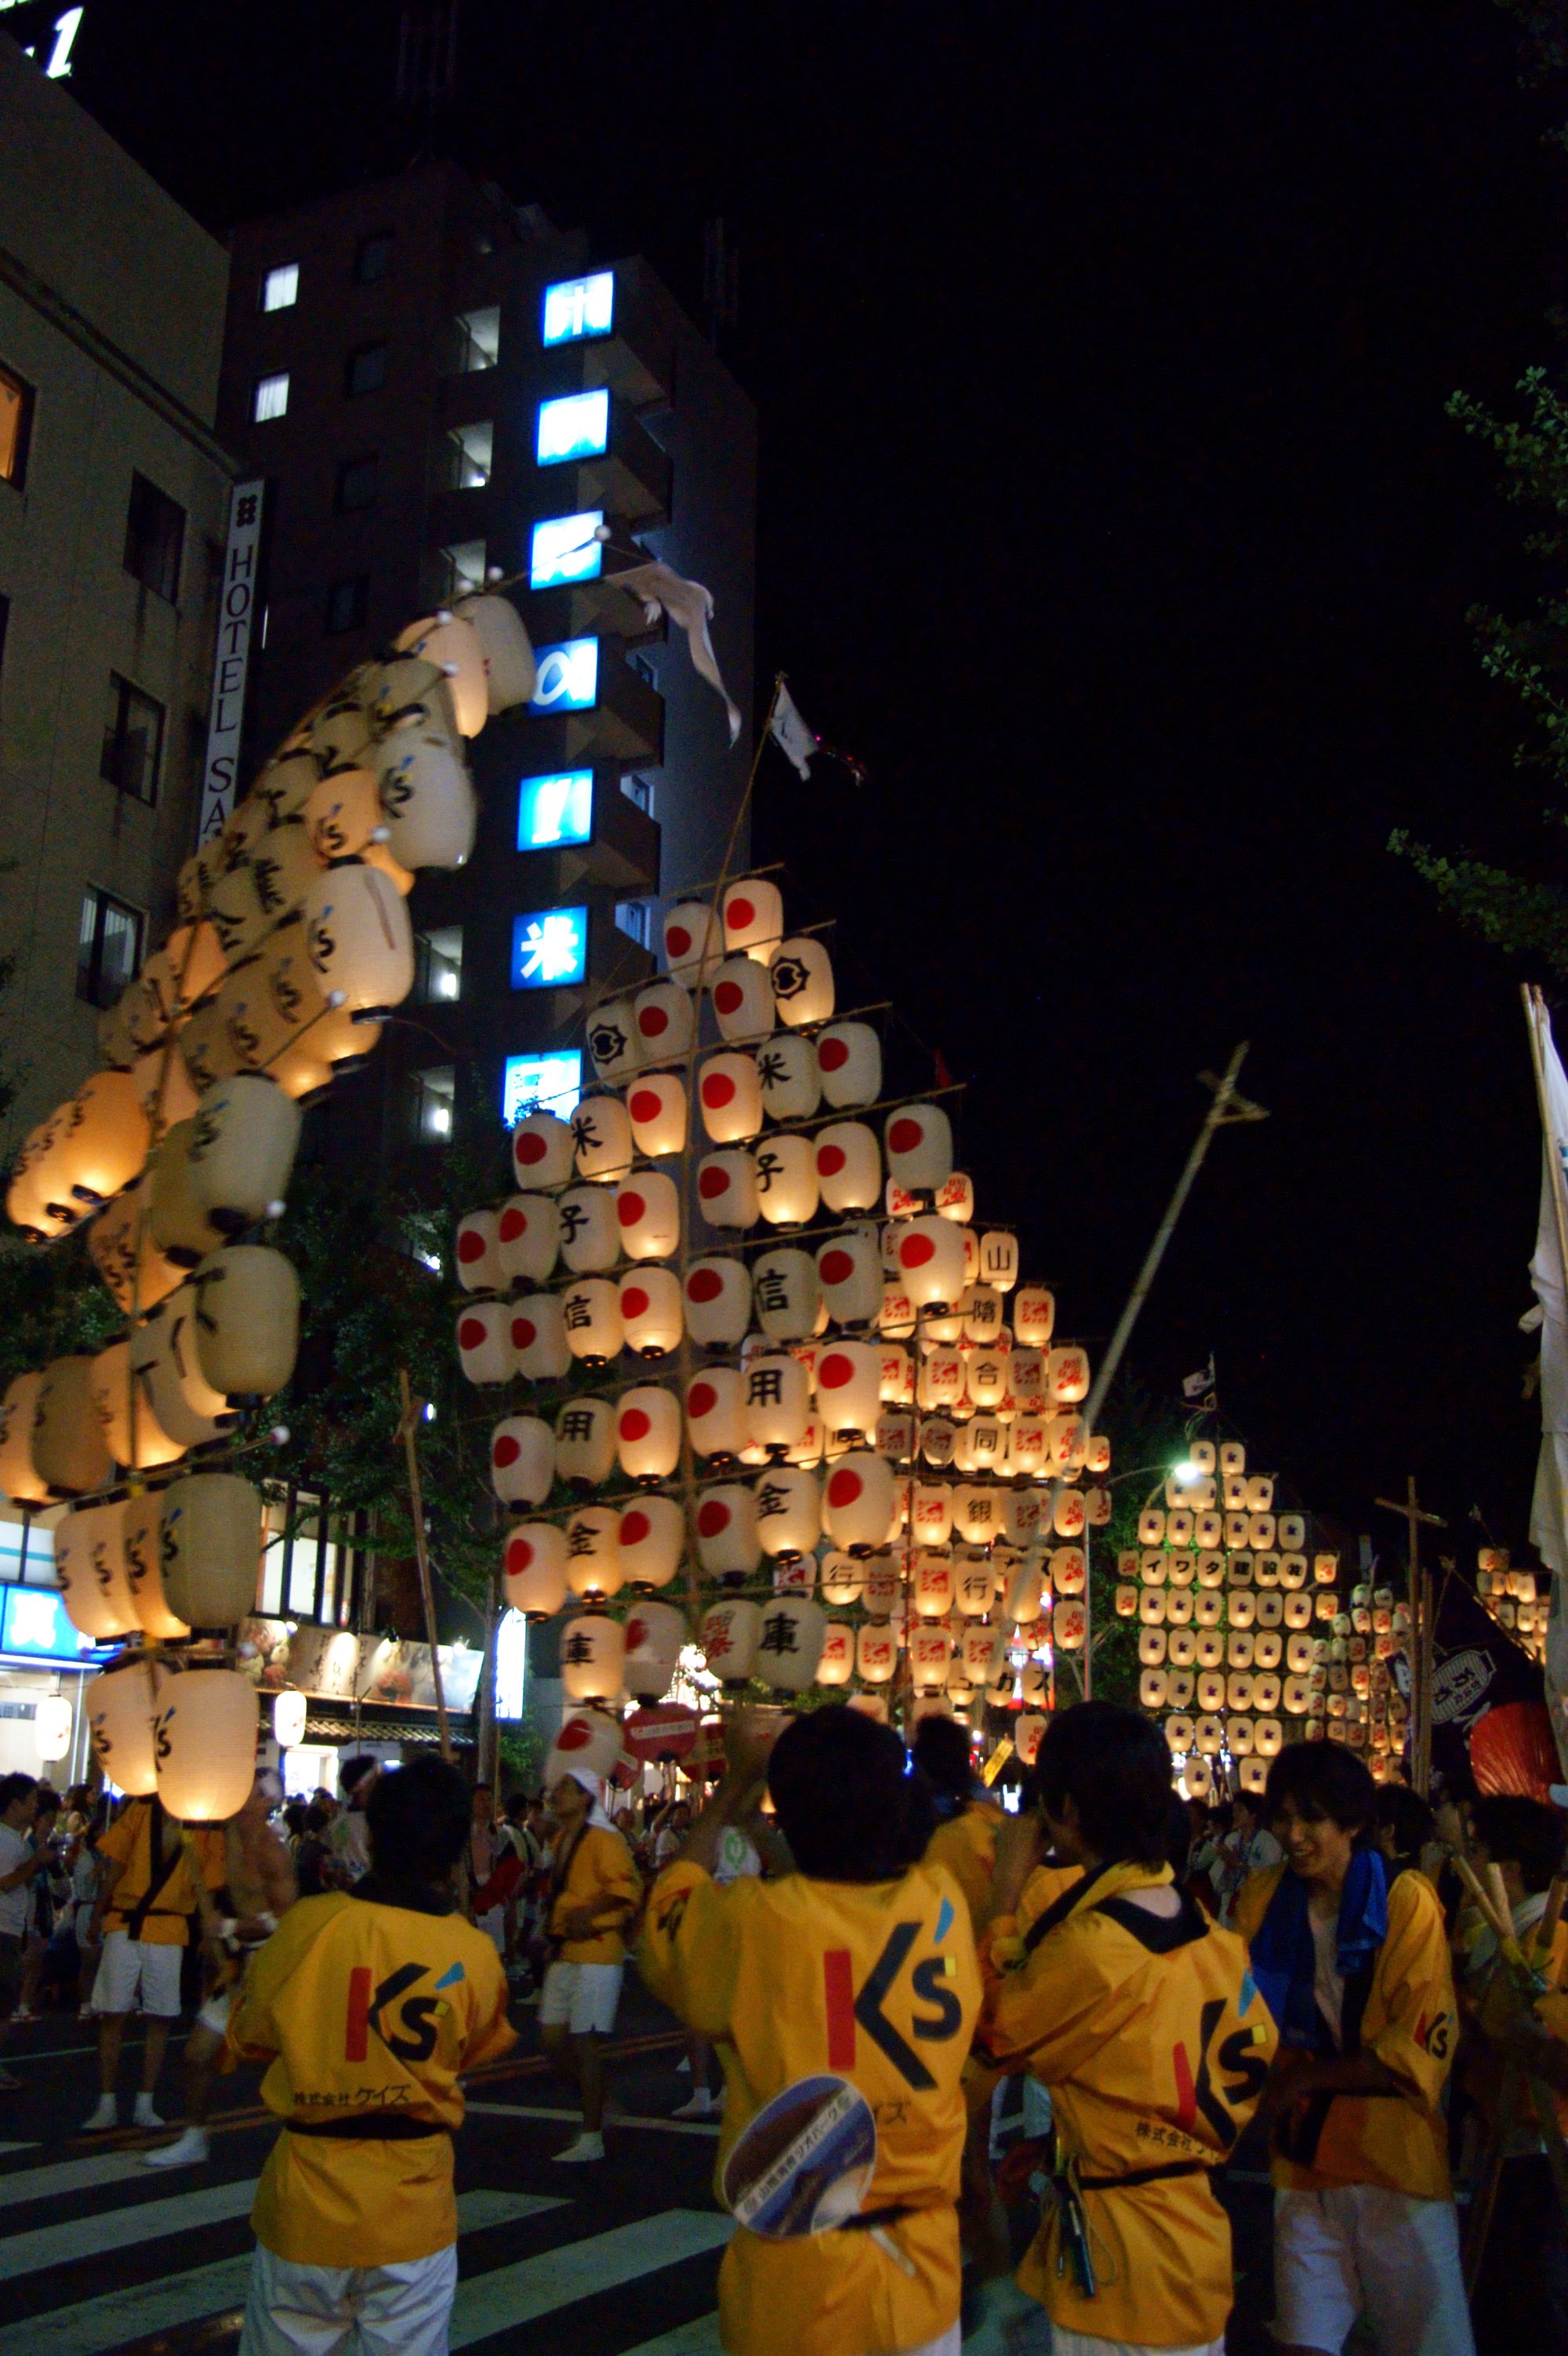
[[464, 458], [372, 259], [269, 396], [438, 968], [280, 286], [357, 484], [640, 791], [15, 427], [457, 571], [634, 918], [434, 1094], [154, 538], [109, 946], [474, 341], [133, 741], [347, 602], [644, 669], [367, 369]]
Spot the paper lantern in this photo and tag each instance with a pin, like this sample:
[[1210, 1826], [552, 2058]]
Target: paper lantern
[[694, 942], [1034, 1316], [727, 1189], [590, 1316], [613, 1040], [593, 1658], [180, 1226], [601, 1131], [427, 793], [652, 1538], [290, 1710], [142, 1535], [715, 1413], [1325, 1569], [656, 1109], [859, 1504], [919, 1140], [654, 1635], [522, 1460], [477, 1253], [1261, 1529], [1238, 1530], [777, 1401], [787, 1180], [835, 1663], [731, 1633], [788, 1074], [1126, 1600], [527, 1238], [1296, 1696], [120, 1704], [985, 1375], [1238, 1733], [651, 1311], [646, 1426], [344, 809], [648, 1210], [1067, 1375], [19, 1478], [718, 1301], [209, 1549], [849, 1060], [1266, 1692], [540, 1348], [586, 1442], [1070, 1626], [1292, 1529], [1069, 1570], [245, 1321], [754, 917], [588, 1739], [930, 1657], [484, 1344], [742, 1001], [898, 1313], [359, 937], [53, 1726], [69, 1450], [791, 1646], [729, 1095], [931, 1261], [664, 1019], [849, 1168], [534, 1569], [1067, 1438], [543, 1152], [1152, 1689], [104, 1138], [590, 1230], [91, 1571], [932, 1586], [787, 1294], [1152, 1607], [1268, 1737], [452, 646], [849, 1389], [511, 675], [593, 1553], [802, 977]]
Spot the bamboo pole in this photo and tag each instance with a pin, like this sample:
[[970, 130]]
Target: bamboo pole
[[406, 1424]]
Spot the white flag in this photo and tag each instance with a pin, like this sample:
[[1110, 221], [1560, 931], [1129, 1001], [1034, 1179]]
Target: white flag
[[691, 605], [1549, 1507], [1198, 1386], [790, 733]]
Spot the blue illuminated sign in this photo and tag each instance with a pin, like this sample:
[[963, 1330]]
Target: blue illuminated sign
[[36, 1624], [575, 426], [551, 1082], [552, 811], [566, 548], [568, 677], [550, 950], [576, 307]]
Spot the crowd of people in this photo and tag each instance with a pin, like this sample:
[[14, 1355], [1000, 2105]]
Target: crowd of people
[[870, 1948]]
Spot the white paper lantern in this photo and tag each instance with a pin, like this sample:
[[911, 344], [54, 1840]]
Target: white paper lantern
[[729, 1094], [789, 1511], [664, 1018], [589, 1739], [802, 977], [91, 1571], [586, 1442], [656, 1108], [590, 1317], [590, 1232], [478, 1254], [1070, 1626], [122, 1705], [849, 1167], [726, 1188], [523, 1460], [206, 1744], [290, 1710], [718, 1302], [849, 1059], [743, 1000], [694, 942], [593, 1658], [651, 1540], [651, 1311], [791, 1647], [592, 1554], [789, 1076], [787, 1294], [543, 1152], [647, 1211], [849, 1389], [528, 1239], [715, 1413], [647, 1423], [601, 1131], [654, 1635], [918, 1140], [931, 1585], [754, 917], [777, 1398], [787, 1180], [534, 1569], [931, 1261], [731, 1633], [1034, 1316], [537, 1327], [860, 1504], [835, 1663], [209, 1549], [613, 1044]]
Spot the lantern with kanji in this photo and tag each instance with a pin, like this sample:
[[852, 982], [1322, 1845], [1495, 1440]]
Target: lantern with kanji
[[593, 1658]]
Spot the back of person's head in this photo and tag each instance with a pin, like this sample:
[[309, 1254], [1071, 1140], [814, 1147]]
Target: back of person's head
[[1178, 1836], [354, 1771], [847, 1799], [517, 1807], [418, 1820], [1221, 1819], [1405, 1817], [942, 1756], [1115, 1767], [1514, 1830], [295, 1817], [1325, 1780], [319, 1816], [14, 1788]]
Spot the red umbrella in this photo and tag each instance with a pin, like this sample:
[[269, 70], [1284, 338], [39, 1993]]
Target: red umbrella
[[1512, 1749]]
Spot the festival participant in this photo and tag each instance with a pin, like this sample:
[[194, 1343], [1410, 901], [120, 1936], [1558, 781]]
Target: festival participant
[[840, 1998], [1407, 1832], [347, 1834], [19, 1862], [1356, 1972], [1136, 2011], [1247, 1848], [738, 1856], [143, 1917], [965, 1838], [369, 2005], [594, 1893], [487, 1848], [258, 1890]]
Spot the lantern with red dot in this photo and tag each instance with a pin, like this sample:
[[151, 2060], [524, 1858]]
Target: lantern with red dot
[[802, 977], [849, 1167], [656, 1108], [593, 1551], [528, 1237], [602, 1129], [543, 1152], [694, 942], [539, 1345], [743, 1001], [1070, 1625], [788, 1077], [849, 1389], [932, 1584], [787, 1180], [612, 1040], [726, 1188], [647, 1211], [754, 917], [534, 1569], [789, 1511], [718, 1302], [664, 1023], [648, 1432], [790, 1647], [651, 1538], [849, 1057], [522, 1460], [931, 1261], [477, 1253], [590, 1314], [593, 1658], [715, 1413], [730, 1634], [1034, 1316], [955, 1198], [778, 1395], [730, 1096], [728, 1545], [590, 1232], [835, 1663], [860, 1503], [850, 1270], [919, 1147], [651, 1311], [483, 1347], [787, 1294], [876, 1652], [655, 1634]]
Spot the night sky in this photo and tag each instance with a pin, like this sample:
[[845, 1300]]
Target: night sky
[[1111, 516]]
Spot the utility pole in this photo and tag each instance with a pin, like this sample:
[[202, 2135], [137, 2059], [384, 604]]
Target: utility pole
[[1419, 1590]]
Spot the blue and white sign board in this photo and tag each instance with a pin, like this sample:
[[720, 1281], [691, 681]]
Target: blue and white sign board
[[549, 950], [568, 677], [36, 1625], [577, 425], [548, 1083], [554, 810], [577, 307], [565, 547]]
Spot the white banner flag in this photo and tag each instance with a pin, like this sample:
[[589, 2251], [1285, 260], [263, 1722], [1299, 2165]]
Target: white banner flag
[[1549, 1507], [790, 733]]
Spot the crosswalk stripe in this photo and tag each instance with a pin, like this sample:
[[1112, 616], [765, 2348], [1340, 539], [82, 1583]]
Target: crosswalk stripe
[[140, 2309], [616, 2118], [698, 2337], [21, 2184], [17, 2147], [119, 2229], [520, 2293]]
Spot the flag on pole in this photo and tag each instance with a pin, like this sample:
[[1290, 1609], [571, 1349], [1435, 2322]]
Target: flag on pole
[[1549, 1507], [691, 607], [1197, 1387], [799, 742]]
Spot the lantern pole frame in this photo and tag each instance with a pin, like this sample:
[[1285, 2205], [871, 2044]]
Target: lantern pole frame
[[406, 1422]]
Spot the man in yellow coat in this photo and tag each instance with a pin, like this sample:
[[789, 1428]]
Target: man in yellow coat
[[594, 1893], [840, 1999]]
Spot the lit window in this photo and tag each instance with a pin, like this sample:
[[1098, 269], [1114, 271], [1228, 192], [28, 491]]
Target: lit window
[[568, 677], [566, 548], [435, 1094], [109, 946], [476, 341], [548, 1083], [575, 426], [15, 427], [549, 950], [154, 538], [554, 810], [132, 740], [644, 669], [576, 307], [461, 570], [465, 457], [640, 791], [270, 396], [439, 964], [632, 918], [367, 369], [280, 288]]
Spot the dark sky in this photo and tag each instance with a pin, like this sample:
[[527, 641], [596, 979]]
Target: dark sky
[[1109, 514]]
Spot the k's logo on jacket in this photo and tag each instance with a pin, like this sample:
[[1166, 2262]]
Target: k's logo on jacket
[[405, 2023]]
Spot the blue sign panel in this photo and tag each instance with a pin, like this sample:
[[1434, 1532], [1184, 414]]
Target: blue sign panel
[[575, 426], [36, 1624], [566, 548], [568, 677], [548, 1083], [577, 307], [552, 811], [549, 950]]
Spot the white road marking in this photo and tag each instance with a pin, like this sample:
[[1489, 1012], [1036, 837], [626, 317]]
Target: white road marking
[[21, 2184], [698, 2337], [121, 2229], [510, 2296], [614, 2119]]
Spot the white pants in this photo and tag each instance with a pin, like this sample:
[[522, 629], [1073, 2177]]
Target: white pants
[[1035, 2335], [580, 1997], [401, 2311], [1359, 2249], [128, 1965]]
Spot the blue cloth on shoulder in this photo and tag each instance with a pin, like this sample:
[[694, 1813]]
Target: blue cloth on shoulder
[[1284, 1958]]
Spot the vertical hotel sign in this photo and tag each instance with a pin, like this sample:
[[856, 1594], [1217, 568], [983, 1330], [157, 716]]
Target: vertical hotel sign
[[232, 663]]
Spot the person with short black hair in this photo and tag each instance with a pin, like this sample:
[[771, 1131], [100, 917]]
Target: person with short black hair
[[1355, 1969], [368, 2005], [1406, 1828], [965, 1838], [840, 1999], [1135, 2009], [348, 1834]]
